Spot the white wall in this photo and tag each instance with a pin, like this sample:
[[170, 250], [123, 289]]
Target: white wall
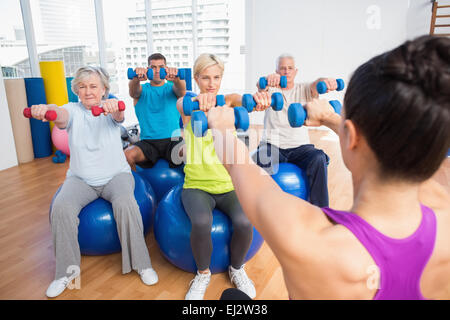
[[8, 156], [234, 79], [329, 38]]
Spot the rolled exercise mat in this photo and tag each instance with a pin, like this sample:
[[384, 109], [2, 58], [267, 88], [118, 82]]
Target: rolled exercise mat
[[16, 96], [54, 83], [72, 96], [40, 131]]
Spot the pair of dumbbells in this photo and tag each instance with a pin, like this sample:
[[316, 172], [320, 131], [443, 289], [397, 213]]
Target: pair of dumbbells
[[248, 102], [241, 119], [51, 115], [162, 74], [297, 114], [321, 85], [59, 157]]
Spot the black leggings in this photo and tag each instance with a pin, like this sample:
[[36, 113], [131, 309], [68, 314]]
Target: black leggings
[[234, 294], [199, 206]]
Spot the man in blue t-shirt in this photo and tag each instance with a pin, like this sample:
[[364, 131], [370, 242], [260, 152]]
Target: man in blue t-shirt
[[159, 119]]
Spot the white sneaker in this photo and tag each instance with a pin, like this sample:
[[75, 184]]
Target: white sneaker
[[242, 281], [198, 286], [57, 287], [149, 276]]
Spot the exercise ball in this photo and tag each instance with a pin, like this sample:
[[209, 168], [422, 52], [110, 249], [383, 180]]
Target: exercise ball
[[172, 229], [97, 230], [291, 179], [161, 177], [60, 140]]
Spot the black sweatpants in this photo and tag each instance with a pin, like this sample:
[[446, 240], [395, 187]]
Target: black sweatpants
[[199, 205], [307, 157]]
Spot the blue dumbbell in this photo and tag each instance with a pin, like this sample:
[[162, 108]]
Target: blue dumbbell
[[189, 106], [297, 114], [322, 87], [132, 73], [249, 103], [199, 121], [163, 74], [263, 82], [59, 157]]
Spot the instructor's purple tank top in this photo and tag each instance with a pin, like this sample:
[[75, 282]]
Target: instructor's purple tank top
[[401, 261]]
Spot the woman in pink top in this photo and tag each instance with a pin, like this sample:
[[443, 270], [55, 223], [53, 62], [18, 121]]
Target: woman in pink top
[[394, 242]]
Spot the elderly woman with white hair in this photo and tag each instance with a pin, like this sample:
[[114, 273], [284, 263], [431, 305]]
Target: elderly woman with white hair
[[98, 168]]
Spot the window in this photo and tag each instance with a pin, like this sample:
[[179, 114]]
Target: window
[[125, 29], [66, 31], [13, 51]]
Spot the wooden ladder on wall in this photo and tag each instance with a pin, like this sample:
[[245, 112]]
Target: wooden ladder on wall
[[435, 16]]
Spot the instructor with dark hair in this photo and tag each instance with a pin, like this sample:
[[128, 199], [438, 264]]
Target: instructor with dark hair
[[392, 243], [156, 111]]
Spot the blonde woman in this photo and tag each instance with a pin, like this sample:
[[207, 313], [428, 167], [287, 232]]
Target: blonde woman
[[98, 168], [207, 185]]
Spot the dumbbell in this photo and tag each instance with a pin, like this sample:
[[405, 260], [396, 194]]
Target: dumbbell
[[163, 74], [297, 114], [322, 86], [189, 106], [241, 121], [249, 103], [263, 82], [132, 73], [50, 115], [59, 157], [96, 110]]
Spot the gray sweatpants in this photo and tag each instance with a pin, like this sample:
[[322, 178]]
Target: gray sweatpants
[[76, 194]]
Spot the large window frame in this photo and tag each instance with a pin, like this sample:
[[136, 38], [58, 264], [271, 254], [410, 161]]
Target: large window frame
[[31, 41]]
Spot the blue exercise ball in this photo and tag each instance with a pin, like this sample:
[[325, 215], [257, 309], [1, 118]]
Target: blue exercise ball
[[97, 230], [172, 229], [292, 179], [161, 177]]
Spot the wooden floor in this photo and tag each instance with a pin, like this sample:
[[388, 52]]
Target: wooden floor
[[26, 254]]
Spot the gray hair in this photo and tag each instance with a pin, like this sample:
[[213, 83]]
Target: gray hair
[[282, 56], [85, 72]]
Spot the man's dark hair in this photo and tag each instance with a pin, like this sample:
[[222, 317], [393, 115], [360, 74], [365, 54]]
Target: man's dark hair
[[156, 56], [400, 100]]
